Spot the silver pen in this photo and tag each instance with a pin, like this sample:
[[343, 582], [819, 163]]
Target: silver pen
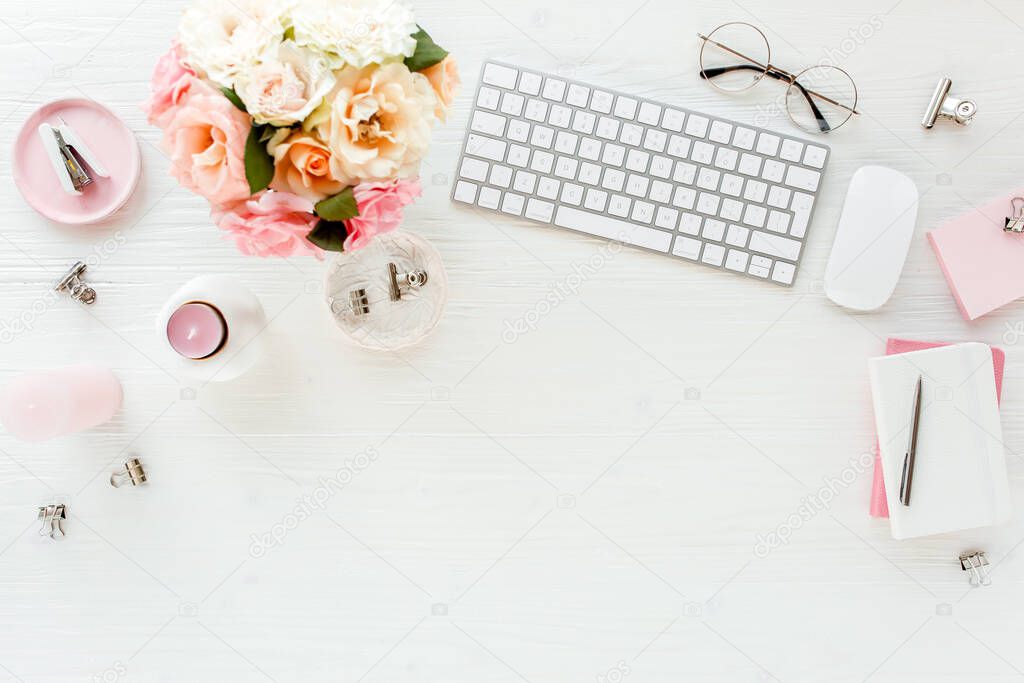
[[908, 460]]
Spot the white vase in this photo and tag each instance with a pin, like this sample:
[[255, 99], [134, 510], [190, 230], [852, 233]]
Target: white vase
[[244, 320], [382, 323]]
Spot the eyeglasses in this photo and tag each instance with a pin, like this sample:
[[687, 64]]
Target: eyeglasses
[[736, 56]]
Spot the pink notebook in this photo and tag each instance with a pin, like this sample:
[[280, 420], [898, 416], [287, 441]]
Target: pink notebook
[[879, 506], [981, 262]]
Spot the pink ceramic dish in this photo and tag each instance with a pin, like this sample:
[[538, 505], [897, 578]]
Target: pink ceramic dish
[[109, 139]]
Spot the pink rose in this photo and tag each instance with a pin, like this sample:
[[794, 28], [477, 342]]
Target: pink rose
[[270, 224], [205, 139], [380, 209], [170, 83]]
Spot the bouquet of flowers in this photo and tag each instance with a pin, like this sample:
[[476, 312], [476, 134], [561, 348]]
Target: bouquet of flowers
[[302, 122]]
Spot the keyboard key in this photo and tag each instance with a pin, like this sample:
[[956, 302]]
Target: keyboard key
[[649, 114], [778, 222], [690, 224], [542, 137], [754, 191], [501, 176], [685, 173], [530, 83], [731, 185], [637, 185], [665, 218], [501, 76], [518, 156], [708, 178], [679, 146], [660, 192], [684, 197], [731, 210], [726, 158], [737, 260], [613, 155], [631, 134], [625, 107], [772, 171], [755, 215], [713, 230], [490, 124], [488, 98], [524, 182], [565, 143], [708, 203], [760, 266], [566, 168], [713, 254], [560, 116], [465, 192], [613, 180], [554, 89], [767, 144], [542, 162], [643, 212], [590, 174], [637, 161], [721, 132], [744, 138], [578, 95], [737, 236], [750, 164], [815, 156], [596, 200], [572, 194], [487, 148], [791, 150], [512, 104], [538, 210], [474, 169], [778, 197], [513, 204], [590, 149], [673, 120], [687, 248], [784, 272], [697, 126], [548, 188], [619, 205], [802, 178], [655, 140], [801, 208], [602, 102], [607, 128], [702, 152], [584, 122], [609, 228], [536, 111], [490, 198], [661, 167], [518, 131], [774, 245]]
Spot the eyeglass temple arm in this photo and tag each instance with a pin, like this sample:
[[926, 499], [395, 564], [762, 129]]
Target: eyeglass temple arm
[[776, 74], [766, 67]]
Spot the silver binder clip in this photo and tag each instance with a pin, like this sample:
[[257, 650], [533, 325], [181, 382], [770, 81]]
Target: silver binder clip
[[359, 302], [977, 565], [53, 517], [132, 472], [945, 106], [67, 152], [1015, 221], [72, 283], [402, 282]]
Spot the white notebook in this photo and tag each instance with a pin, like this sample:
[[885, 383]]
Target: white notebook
[[960, 477]]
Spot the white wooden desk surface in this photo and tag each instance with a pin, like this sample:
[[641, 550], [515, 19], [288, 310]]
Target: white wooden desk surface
[[581, 504]]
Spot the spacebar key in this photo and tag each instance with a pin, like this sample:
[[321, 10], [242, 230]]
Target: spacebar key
[[610, 228]]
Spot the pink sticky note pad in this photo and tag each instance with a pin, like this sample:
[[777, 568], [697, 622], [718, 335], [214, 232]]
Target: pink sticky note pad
[[109, 139], [879, 505], [981, 262]]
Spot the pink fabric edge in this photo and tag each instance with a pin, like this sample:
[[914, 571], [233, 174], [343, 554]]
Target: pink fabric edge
[[879, 506]]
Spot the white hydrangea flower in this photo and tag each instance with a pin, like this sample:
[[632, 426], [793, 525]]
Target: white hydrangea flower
[[356, 32], [221, 38]]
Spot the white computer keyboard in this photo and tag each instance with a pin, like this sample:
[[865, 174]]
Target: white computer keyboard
[[663, 178]]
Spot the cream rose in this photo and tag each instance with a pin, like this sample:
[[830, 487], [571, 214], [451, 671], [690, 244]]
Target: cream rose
[[302, 166], [356, 32], [377, 123], [286, 86], [224, 38]]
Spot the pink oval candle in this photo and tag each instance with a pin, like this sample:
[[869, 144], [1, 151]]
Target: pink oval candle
[[196, 330]]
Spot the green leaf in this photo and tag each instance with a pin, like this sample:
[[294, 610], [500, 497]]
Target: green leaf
[[268, 132], [259, 165], [329, 235], [427, 54], [235, 99], [340, 207]]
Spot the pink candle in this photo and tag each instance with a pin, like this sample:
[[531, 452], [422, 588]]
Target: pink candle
[[197, 330]]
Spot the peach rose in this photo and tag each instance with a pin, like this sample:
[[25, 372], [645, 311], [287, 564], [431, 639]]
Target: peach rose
[[302, 165], [377, 122], [205, 139], [169, 85], [270, 224], [444, 78]]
